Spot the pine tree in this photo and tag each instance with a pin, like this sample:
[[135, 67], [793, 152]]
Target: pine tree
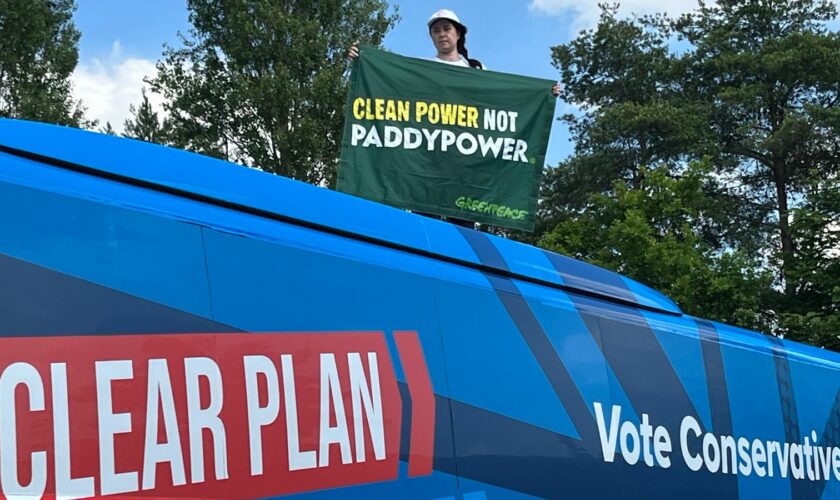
[[145, 124]]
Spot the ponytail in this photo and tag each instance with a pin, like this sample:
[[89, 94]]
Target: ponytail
[[462, 49]]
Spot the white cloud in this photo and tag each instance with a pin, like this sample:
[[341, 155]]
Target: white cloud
[[586, 12], [107, 87]]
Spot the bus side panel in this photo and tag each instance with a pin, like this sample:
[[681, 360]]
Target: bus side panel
[[489, 387]]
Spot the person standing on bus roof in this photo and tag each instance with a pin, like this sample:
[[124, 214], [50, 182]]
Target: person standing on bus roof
[[449, 36]]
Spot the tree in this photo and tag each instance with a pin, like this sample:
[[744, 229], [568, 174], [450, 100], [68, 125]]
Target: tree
[[145, 124], [263, 82], [107, 129], [38, 52], [814, 315], [636, 112], [768, 72], [650, 232], [749, 85]]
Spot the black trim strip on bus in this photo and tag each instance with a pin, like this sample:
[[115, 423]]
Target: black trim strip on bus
[[267, 214]]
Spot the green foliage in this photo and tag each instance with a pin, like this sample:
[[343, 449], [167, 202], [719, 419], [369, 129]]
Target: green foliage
[[768, 72], [38, 52], [107, 129], [750, 88], [813, 315], [146, 125], [651, 233], [262, 82]]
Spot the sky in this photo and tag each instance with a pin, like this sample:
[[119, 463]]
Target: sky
[[121, 42]]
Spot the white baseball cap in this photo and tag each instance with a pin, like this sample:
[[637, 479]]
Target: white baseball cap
[[445, 14]]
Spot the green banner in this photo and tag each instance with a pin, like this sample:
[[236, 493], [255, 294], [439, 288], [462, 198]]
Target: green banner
[[443, 139]]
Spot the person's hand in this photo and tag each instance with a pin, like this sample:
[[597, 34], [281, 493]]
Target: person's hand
[[555, 90], [354, 51]]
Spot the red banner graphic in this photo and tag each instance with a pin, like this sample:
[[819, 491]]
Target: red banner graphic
[[205, 415]]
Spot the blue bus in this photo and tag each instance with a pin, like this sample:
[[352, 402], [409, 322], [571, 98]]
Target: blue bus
[[175, 326]]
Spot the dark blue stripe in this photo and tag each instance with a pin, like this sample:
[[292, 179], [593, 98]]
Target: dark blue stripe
[[638, 360], [405, 397], [445, 451], [715, 378], [536, 339], [784, 381], [516, 455], [804, 490], [484, 249], [583, 276], [43, 302], [830, 436], [405, 429], [550, 363], [717, 388]]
